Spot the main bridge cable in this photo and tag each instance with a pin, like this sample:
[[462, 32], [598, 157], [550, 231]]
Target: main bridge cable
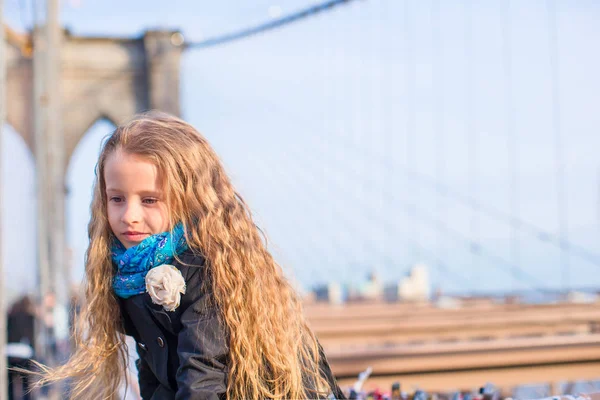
[[234, 36], [267, 26]]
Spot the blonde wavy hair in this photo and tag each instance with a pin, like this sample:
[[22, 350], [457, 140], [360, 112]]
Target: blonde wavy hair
[[272, 352]]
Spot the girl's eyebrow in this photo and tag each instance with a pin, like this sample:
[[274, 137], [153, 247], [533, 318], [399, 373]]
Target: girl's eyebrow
[[150, 193], [142, 193]]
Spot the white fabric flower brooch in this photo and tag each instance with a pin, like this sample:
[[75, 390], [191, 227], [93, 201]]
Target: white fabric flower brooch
[[165, 284]]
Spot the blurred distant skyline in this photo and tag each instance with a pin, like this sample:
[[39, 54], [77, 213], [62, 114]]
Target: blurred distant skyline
[[313, 121]]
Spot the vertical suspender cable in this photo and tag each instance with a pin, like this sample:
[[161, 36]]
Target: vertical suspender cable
[[438, 84], [389, 147], [410, 72], [372, 178], [559, 148], [511, 137], [472, 142]]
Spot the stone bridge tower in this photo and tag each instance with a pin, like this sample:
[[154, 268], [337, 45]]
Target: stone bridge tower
[[100, 77]]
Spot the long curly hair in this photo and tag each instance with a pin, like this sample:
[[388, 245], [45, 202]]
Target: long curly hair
[[272, 352]]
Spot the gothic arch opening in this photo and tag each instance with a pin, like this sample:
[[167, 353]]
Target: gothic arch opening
[[18, 215], [80, 176]]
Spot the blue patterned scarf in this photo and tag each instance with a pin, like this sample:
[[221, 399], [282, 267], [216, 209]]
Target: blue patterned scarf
[[134, 263]]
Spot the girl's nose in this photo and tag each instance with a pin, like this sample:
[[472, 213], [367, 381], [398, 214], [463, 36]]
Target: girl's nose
[[132, 213]]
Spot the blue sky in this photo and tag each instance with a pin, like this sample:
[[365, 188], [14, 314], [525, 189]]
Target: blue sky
[[314, 123]]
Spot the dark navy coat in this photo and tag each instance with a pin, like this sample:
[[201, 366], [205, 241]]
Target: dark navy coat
[[183, 353]]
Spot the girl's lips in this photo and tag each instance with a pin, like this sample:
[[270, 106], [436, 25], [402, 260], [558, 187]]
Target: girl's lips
[[135, 236]]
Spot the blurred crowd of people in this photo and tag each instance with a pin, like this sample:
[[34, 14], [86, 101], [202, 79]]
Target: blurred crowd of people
[[45, 320]]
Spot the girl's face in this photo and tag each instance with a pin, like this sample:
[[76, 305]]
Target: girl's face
[[136, 207]]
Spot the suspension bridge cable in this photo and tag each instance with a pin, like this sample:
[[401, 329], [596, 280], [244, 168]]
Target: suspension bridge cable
[[317, 250], [376, 170], [532, 229], [367, 136], [511, 136], [439, 264], [446, 190], [489, 211], [410, 78], [510, 269], [438, 84], [312, 156], [561, 190], [441, 189], [295, 187], [415, 213], [498, 215], [472, 143], [389, 138], [525, 226], [267, 26], [327, 91], [522, 275], [458, 279], [359, 127], [341, 91]]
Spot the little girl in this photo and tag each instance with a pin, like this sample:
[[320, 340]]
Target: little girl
[[176, 261]]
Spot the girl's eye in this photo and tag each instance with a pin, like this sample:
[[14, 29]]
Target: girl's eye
[[149, 201], [115, 199]]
